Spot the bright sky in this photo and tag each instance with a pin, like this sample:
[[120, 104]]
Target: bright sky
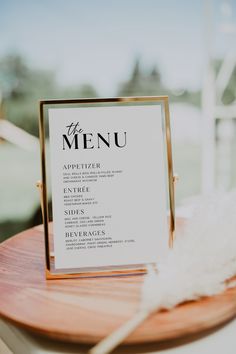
[[97, 41]]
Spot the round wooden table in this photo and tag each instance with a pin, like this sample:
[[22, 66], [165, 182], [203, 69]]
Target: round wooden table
[[86, 310]]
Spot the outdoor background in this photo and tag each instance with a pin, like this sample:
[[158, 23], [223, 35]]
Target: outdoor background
[[76, 48]]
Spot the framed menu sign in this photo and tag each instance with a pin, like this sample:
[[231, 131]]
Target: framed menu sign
[[107, 168]]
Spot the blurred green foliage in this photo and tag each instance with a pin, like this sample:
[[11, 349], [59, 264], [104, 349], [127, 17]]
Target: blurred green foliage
[[22, 87], [149, 83]]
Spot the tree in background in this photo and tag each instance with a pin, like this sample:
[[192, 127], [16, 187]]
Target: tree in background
[[141, 83], [22, 87], [148, 83]]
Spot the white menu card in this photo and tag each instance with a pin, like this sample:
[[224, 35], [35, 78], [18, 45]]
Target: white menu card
[[108, 185]]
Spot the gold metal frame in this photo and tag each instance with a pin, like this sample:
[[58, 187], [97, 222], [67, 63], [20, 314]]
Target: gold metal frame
[[42, 185]]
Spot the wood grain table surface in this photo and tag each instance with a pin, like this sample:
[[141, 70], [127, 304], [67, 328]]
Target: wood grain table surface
[[87, 310]]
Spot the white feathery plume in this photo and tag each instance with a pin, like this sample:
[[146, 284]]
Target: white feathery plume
[[203, 258]]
